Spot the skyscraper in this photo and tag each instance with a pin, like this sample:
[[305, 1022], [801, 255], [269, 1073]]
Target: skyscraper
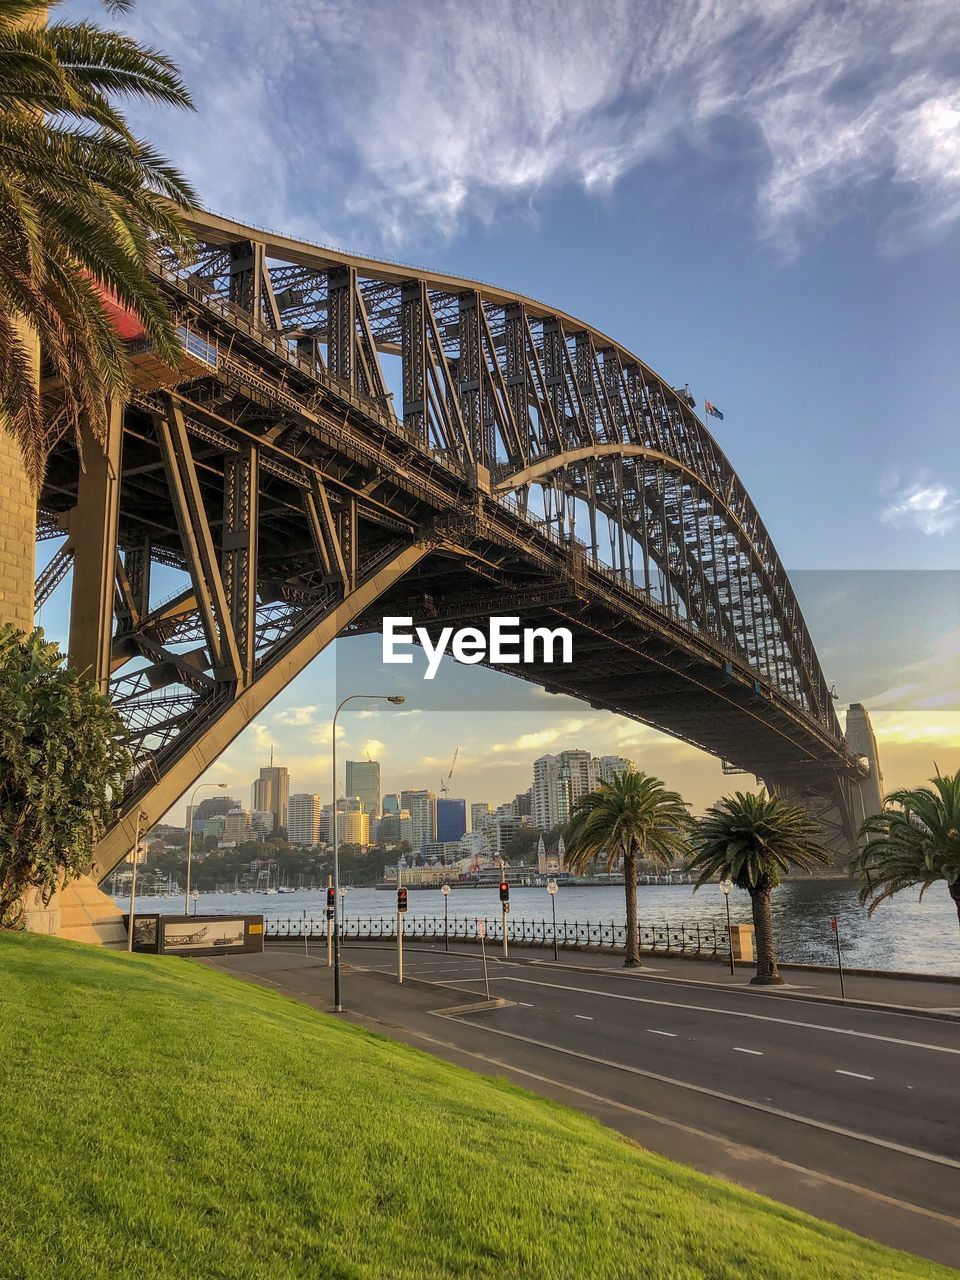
[[558, 783], [451, 818], [422, 807], [609, 765], [303, 819], [270, 793], [363, 781]]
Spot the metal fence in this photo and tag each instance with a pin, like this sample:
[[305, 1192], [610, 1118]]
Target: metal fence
[[583, 935]]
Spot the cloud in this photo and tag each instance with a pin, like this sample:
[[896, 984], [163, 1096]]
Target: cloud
[[295, 716], [927, 505], [456, 111]]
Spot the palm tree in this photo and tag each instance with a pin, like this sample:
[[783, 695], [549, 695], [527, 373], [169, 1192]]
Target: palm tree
[[914, 840], [753, 839], [631, 818], [81, 201]]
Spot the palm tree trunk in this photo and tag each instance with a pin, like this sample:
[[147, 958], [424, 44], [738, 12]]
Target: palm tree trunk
[[767, 973], [955, 895], [632, 960], [18, 498], [18, 532]]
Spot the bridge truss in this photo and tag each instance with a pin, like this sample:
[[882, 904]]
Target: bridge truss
[[347, 439]]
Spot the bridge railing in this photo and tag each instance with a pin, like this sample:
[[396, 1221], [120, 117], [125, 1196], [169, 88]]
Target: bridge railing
[[577, 935]]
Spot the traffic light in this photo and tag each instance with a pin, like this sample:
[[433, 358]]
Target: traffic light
[[331, 901], [401, 900], [504, 891]]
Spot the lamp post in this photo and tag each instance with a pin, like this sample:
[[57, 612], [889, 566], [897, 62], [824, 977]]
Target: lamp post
[[396, 699], [193, 795], [552, 890], [726, 886], [445, 890], [141, 817]]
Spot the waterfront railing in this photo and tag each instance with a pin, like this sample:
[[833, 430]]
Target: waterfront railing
[[705, 940]]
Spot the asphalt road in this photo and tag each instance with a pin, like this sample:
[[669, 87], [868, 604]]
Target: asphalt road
[[848, 1113]]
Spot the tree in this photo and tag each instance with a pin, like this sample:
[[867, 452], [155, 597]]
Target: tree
[[914, 840], [63, 762], [752, 839], [633, 817], [82, 202]]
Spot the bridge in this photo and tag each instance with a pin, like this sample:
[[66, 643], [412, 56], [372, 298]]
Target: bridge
[[346, 439]]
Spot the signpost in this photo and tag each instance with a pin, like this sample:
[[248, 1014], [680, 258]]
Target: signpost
[[726, 886], [552, 890], [445, 890], [482, 934], [836, 934]]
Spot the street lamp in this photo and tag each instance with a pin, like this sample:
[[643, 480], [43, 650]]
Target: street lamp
[[445, 890], [552, 890], [141, 817], [193, 795], [396, 699], [726, 886]]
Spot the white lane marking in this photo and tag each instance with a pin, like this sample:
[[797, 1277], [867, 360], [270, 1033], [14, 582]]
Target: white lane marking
[[756, 1052], [856, 1074], [524, 1005], [672, 1034], [824, 1125], [667, 1122], [737, 1013], [583, 1016]]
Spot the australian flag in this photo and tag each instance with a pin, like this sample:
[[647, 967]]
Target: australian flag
[[712, 410]]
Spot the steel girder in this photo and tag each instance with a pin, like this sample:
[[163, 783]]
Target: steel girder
[[528, 457]]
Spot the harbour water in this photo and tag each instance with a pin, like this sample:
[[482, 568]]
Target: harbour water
[[904, 934]]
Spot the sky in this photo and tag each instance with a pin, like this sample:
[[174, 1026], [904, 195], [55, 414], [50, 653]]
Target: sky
[[759, 197]]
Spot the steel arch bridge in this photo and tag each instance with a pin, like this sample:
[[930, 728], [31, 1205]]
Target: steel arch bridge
[[346, 439]]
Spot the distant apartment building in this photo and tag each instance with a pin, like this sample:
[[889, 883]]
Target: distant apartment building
[[422, 807], [363, 780], [353, 823], [479, 813], [263, 823], [610, 765], [237, 826], [394, 828], [451, 819], [303, 819], [271, 792], [558, 783]]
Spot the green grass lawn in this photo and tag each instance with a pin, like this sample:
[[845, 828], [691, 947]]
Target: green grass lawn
[[159, 1119]]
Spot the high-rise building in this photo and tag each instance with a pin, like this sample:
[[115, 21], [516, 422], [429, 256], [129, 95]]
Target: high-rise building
[[210, 807], [522, 804], [422, 807], [237, 826], [263, 823], [479, 813], [451, 818], [353, 824], [609, 765], [558, 783], [303, 819], [270, 794], [363, 780], [394, 828], [391, 803]]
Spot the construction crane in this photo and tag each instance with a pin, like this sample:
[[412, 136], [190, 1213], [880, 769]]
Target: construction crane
[[443, 781]]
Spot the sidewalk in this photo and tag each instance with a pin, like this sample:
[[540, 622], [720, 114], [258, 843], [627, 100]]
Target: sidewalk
[[938, 997]]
